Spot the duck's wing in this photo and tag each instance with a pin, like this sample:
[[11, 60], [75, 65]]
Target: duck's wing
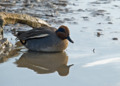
[[34, 33]]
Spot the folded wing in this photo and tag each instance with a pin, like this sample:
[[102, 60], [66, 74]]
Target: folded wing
[[33, 34]]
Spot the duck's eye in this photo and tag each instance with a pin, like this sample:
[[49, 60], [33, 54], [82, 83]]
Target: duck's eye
[[61, 30]]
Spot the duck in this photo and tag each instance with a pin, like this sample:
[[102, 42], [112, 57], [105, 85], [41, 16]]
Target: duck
[[45, 39]]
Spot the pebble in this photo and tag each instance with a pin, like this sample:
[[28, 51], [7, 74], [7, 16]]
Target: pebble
[[114, 38]]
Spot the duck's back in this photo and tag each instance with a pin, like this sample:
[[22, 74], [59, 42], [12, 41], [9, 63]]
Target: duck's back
[[25, 35]]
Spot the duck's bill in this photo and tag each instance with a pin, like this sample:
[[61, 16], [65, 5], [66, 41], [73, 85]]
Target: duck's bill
[[70, 39]]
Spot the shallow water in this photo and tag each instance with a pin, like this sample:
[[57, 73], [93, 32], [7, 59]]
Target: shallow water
[[93, 59]]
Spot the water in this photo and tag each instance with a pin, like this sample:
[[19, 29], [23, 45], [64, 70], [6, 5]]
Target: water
[[95, 59]]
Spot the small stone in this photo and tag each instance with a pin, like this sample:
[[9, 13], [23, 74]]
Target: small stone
[[114, 38], [94, 50], [67, 19], [99, 34], [80, 10], [110, 23], [99, 30], [85, 18]]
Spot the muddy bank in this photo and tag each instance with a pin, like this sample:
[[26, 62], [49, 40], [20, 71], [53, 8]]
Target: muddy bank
[[44, 9], [5, 47]]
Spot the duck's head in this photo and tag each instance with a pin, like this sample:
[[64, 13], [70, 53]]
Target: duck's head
[[63, 33]]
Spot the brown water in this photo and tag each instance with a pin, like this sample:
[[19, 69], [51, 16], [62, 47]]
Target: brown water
[[93, 59]]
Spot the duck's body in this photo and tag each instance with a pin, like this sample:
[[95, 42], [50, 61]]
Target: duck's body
[[45, 39]]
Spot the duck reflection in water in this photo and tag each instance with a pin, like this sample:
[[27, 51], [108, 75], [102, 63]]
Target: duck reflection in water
[[43, 63]]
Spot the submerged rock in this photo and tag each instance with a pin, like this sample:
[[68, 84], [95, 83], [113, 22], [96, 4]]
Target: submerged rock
[[5, 47], [115, 38]]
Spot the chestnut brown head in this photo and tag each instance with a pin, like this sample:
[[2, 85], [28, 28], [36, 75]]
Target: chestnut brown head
[[63, 33]]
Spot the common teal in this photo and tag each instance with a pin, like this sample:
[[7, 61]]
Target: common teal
[[45, 39]]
